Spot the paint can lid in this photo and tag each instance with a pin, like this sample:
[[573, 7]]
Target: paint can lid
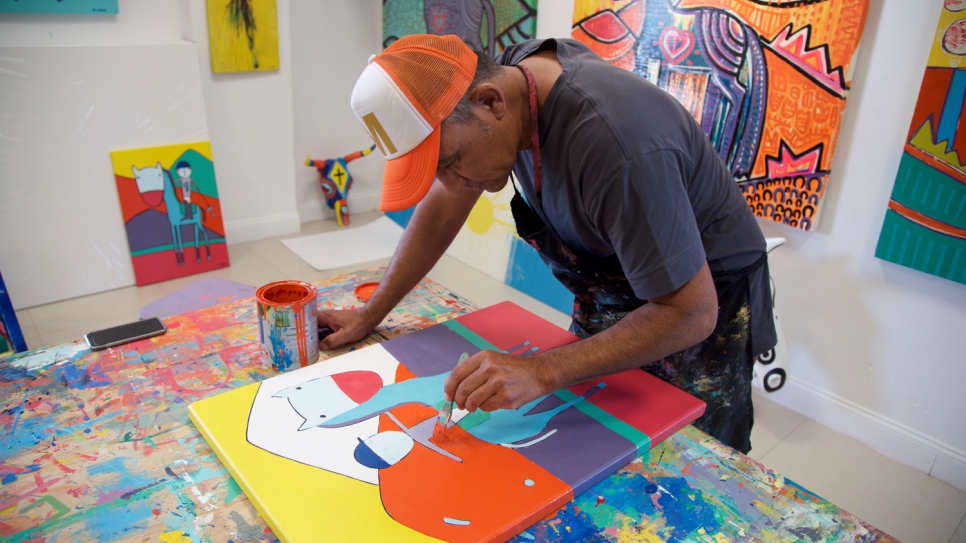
[[364, 291]]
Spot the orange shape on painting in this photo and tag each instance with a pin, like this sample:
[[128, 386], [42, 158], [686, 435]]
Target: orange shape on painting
[[494, 490]]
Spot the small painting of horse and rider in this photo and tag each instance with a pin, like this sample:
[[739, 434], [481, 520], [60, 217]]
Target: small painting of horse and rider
[[171, 211]]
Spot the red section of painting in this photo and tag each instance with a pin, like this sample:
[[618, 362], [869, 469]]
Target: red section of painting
[[163, 265], [502, 502], [644, 402], [132, 202], [359, 386], [507, 325]]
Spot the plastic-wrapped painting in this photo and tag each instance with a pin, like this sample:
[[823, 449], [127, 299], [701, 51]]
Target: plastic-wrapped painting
[[767, 82], [172, 215], [925, 224]]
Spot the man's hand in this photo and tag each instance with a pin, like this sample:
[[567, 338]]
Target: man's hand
[[491, 380], [347, 326]]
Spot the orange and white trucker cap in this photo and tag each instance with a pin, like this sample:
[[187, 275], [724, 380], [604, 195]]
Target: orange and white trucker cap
[[401, 98]]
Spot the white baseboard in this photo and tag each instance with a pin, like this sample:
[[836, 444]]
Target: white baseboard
[[362, 202], [262, 227], [887, 436]]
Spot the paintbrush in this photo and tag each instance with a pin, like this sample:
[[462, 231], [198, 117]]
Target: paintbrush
[[446, 411]]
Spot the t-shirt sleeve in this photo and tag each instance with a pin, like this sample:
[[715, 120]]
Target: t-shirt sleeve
[[643, 211]]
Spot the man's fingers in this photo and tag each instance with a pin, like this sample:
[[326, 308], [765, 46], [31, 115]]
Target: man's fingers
[[326, 320], [456, 377], [484, 395]]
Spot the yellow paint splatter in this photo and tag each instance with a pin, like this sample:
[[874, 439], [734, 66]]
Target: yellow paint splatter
[[481, 217], [635, 533], [176, 536]]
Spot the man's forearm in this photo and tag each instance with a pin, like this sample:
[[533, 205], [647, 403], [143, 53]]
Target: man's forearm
[[435, 223]]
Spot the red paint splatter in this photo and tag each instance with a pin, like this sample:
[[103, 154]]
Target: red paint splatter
[[157, 512]]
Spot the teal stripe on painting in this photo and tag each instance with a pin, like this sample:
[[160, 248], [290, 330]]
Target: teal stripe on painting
[[616, 425], [469, 335], [641, 440], [909, 244], [930, 192], [170, 246]]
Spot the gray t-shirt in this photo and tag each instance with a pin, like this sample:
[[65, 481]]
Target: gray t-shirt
[[627, 171]]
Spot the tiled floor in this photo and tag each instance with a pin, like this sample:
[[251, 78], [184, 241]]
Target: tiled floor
[[898, 499]]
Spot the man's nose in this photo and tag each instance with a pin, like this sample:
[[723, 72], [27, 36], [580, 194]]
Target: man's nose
[[453, 183]]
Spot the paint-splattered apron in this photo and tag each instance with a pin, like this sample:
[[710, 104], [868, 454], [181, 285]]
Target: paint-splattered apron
[[717, 370]]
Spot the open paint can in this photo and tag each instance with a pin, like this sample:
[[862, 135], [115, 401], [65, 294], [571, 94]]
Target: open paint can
[[288, 324]]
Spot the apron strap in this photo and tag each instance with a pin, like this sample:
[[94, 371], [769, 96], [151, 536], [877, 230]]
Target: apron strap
[[534, 132]]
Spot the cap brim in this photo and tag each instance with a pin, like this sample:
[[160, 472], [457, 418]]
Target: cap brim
[[408, 178]]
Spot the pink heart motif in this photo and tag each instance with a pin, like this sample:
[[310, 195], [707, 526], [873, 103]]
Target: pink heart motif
[[676, 44]]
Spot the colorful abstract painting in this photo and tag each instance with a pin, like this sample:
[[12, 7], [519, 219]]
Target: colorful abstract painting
[[925, 224], [108, 7], [487, 25], [345, 450], [767, 82], [243, 35], [11, 338], [172, 215]]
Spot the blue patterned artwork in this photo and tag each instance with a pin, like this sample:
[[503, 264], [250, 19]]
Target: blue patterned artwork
[[108, 7], [11, 339]]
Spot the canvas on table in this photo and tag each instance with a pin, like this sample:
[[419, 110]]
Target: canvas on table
[[243, 35], [171, 211], [343, 450], [767, 82]]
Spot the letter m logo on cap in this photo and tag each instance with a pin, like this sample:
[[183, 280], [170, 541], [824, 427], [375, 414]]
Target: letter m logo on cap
[[378, 134]]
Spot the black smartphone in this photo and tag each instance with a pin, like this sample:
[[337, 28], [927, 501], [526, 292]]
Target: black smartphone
[[125, 333]]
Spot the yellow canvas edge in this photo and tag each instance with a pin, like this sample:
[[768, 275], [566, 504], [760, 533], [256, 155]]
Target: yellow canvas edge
[[312, 504], [142, 157]]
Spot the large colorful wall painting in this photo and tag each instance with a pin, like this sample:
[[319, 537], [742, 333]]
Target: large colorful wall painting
[[345, 450], [925, 224], [487, 25], [243, 35], [172, 215], [488, 241], [767, 82]]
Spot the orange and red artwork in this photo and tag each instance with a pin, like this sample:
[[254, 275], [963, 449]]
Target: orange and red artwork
[[345, 450], [767, 82], [925, 223]]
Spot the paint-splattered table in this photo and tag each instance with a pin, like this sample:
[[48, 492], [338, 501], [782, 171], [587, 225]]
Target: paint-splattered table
[[99, 447]]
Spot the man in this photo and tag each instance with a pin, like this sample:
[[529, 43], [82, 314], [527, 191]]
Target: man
[[183, 170], [622, 194]]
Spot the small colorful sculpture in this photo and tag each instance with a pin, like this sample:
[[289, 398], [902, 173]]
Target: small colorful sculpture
[[336, 181]]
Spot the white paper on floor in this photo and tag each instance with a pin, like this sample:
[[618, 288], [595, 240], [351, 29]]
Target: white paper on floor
[[349, 245]]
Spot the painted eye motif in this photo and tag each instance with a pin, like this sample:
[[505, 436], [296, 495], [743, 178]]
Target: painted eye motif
[[328, 188]]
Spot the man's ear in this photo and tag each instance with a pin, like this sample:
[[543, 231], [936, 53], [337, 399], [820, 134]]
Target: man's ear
[[490, 98]]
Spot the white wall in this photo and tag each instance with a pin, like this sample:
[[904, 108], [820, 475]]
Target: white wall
[[249, 124], [331, 42], [251, 127], [876, 350]]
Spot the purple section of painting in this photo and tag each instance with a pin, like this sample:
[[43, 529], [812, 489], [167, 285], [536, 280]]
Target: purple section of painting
[[431, 351], [594, 445], [198, 295], [99, 446]]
